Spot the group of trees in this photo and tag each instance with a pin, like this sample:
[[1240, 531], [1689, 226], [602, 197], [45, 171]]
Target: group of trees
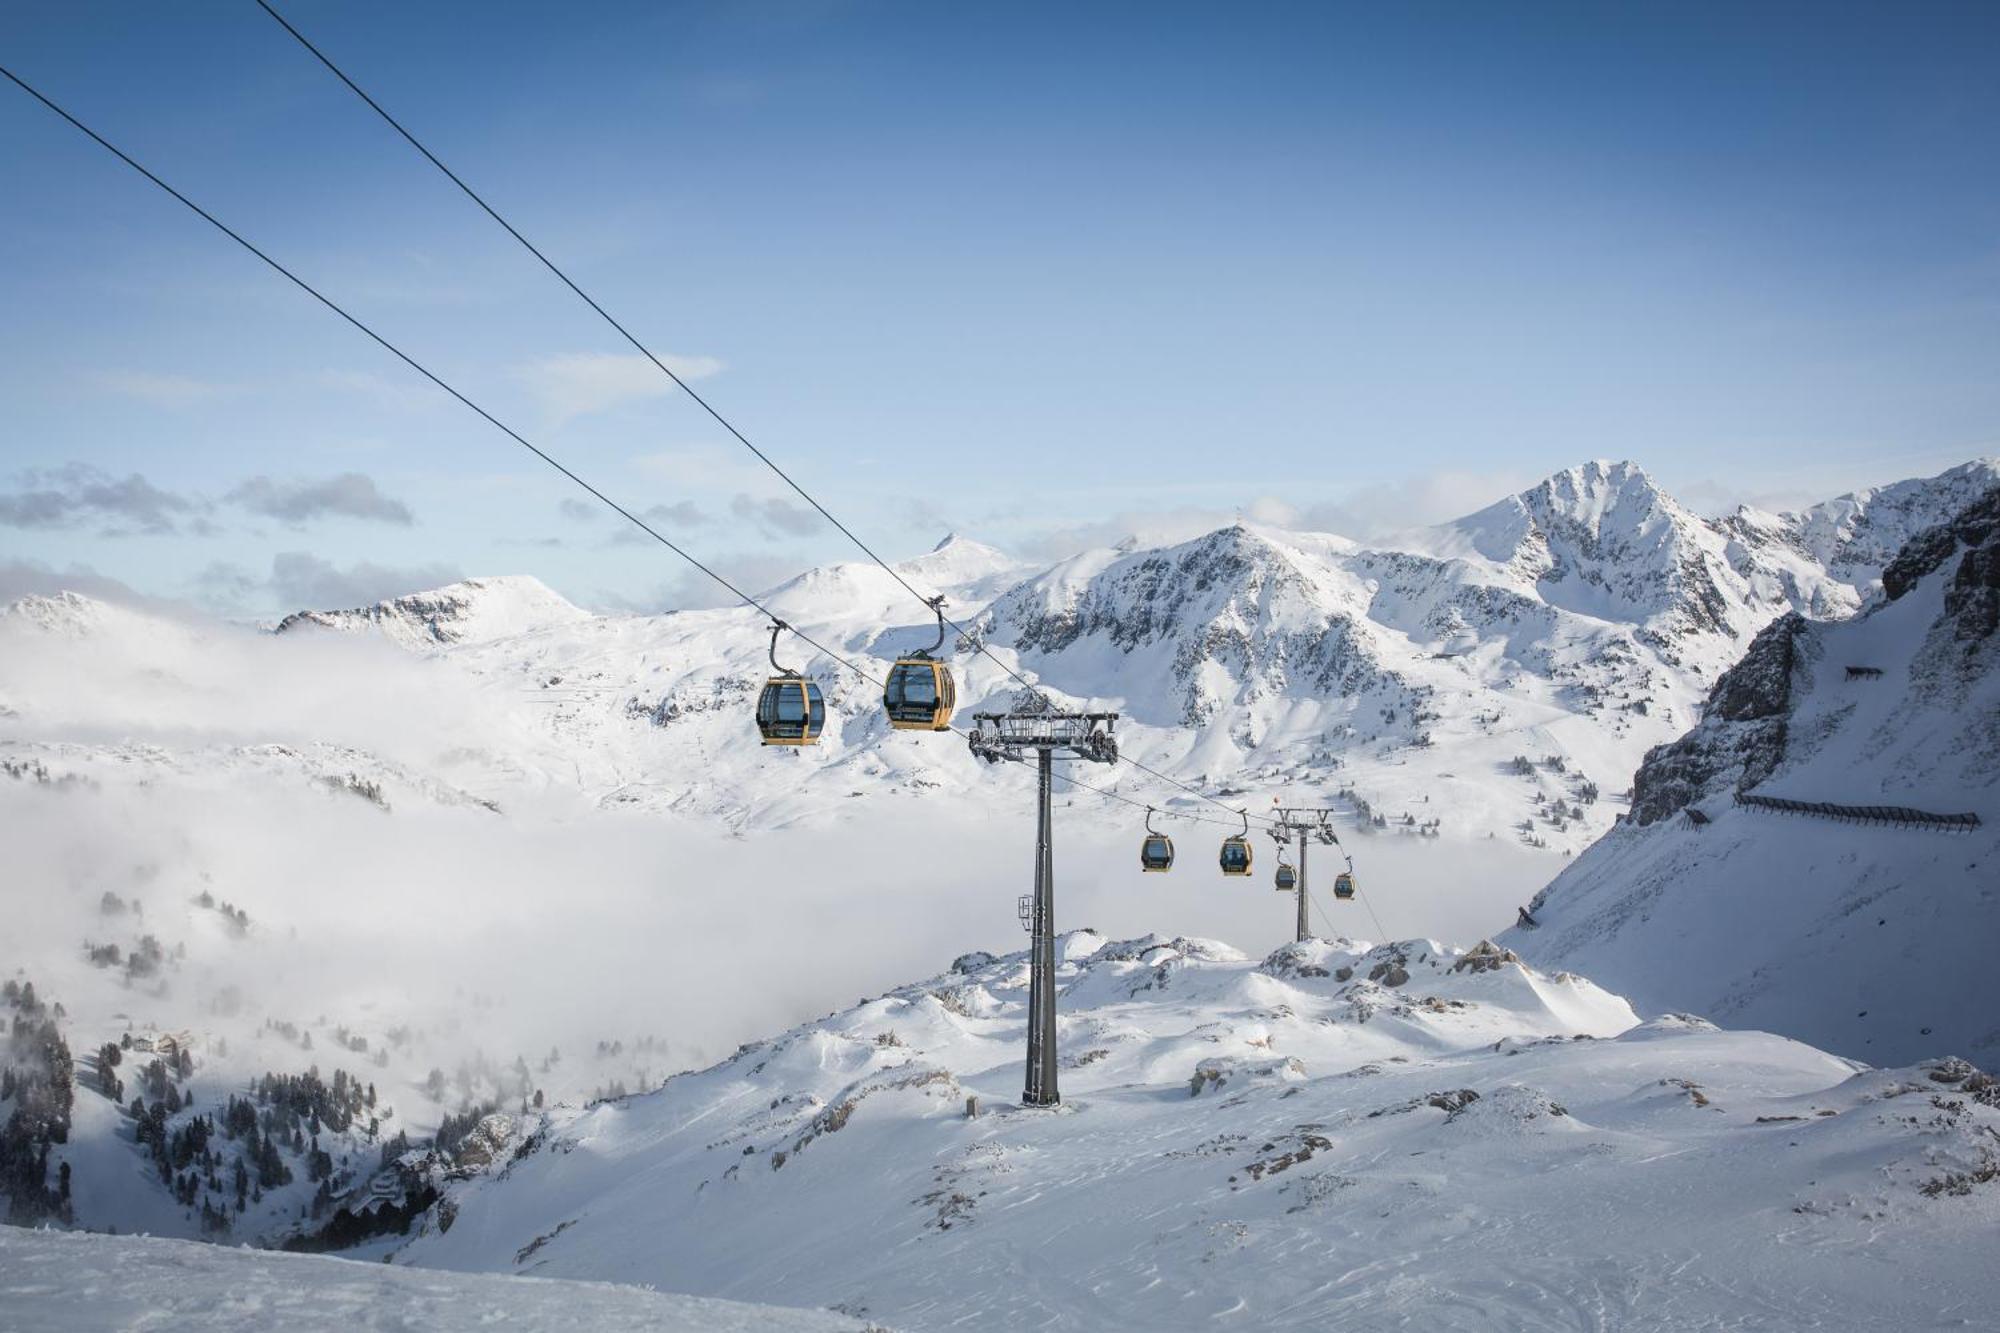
[[239, 920], [145, 959], [219, 1161], [295, 1100], [274, 1129], [37, 1088]]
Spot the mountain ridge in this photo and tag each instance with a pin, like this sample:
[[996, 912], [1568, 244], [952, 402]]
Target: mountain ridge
[[1898, 706]]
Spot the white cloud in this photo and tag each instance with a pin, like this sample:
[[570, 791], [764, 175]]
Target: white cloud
[[776, 516], [580, 383], [348, 495], [163, 390], [1372, 511], [305, 581], [709, 467], [398, 394], [1385, 507], [691, 590], [64, 496]]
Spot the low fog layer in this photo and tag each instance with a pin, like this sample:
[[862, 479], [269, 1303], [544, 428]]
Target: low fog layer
[[508, 934], [412, 864]]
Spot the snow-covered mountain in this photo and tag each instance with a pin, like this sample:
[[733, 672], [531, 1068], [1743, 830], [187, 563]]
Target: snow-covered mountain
[[1856, 535], [1336, 1135], [1490, 678], [1870, 938], [470, 611]]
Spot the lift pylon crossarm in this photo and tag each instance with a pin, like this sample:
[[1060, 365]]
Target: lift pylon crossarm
[[1009, 735], [1309, 824]]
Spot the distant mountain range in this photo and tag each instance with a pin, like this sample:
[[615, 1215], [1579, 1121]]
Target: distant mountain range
[[1581, 621]]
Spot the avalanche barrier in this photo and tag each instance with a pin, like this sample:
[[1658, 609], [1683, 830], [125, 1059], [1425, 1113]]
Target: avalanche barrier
[[1899, 815]]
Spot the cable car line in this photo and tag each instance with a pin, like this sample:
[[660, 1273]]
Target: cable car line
[[940, 676], [623, 332], [499, 425], [421, 369], [791, 710], [1380, 929], [306, 287]]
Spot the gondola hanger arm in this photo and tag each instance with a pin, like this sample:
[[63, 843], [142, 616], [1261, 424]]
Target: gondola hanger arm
[[778, 627]]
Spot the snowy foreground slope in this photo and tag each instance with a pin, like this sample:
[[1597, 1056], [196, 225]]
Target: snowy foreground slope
[[52, 1282], [1336, 1136], [1872, 939]]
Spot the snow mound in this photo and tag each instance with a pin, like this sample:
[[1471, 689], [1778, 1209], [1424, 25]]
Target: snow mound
[[1223, 1117]]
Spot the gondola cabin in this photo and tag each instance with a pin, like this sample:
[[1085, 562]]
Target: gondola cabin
[[1288, 879], [918, 696], [790, 711], [1343, 886], [1235, 855], [1156, 853]]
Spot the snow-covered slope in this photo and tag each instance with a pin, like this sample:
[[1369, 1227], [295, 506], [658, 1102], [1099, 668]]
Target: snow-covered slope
[[1869, 939], [470, 611], [52, 1282], [1855, 535], [1337, 1135]]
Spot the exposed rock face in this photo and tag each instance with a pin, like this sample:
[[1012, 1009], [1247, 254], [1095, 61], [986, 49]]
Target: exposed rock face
[[1956, 651], [1742, 731], [1973, 599]]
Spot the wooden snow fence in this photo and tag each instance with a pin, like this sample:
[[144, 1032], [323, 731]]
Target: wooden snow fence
[[1898, 816]]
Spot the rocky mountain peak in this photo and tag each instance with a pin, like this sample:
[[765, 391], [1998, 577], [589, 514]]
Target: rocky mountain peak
[[475, 610]]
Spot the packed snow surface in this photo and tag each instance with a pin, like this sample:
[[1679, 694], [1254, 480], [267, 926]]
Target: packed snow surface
[[1338, 1135], [54, 1282]]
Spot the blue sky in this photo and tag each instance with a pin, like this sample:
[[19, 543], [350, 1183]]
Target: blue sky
[[1041, 274]]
